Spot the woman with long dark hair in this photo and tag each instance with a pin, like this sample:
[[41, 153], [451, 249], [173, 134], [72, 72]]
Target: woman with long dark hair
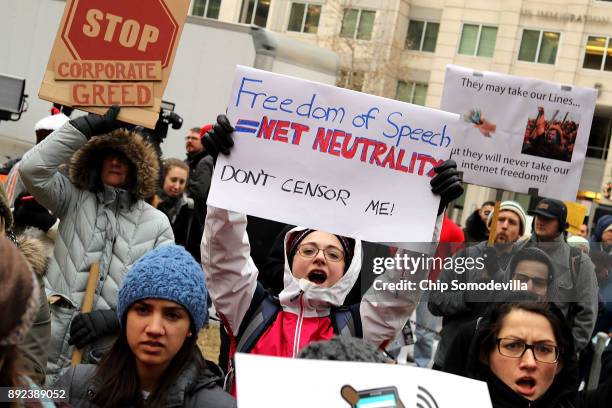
[[155, 361], [524, 352]]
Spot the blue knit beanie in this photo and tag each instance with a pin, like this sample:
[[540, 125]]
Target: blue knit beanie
[[170, 273]]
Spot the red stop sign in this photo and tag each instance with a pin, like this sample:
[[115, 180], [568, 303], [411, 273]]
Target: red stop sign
[[142, 30]]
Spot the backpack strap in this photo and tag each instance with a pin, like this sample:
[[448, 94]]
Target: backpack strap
[[262, 315], [346, 321]]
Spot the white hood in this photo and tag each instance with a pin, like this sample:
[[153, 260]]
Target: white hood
[[316, 299]]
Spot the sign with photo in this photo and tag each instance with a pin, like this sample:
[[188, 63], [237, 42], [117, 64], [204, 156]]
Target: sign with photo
[[519, 133]]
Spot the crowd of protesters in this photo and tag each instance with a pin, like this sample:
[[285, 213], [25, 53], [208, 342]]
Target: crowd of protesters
[[93, 190]]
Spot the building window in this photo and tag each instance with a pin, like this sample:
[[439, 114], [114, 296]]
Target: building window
[[477, 40], [357, 24], [598, 54], [422, 35], [539, 46], [411, 92], [304, 18], [599, 139], [351, 80], [206, 8], [255, 12]]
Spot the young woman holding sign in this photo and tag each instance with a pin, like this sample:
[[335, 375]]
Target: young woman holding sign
[[320, 270]]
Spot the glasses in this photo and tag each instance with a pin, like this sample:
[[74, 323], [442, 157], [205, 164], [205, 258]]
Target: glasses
[[539, 283], [332, 254], [542, 352]]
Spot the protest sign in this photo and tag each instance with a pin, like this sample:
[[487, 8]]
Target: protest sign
[[115, 52], [519, 133], [332, 159], [350, 384]]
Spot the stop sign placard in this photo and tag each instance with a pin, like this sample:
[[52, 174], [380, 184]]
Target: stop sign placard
[[109, 52], [142, 30]]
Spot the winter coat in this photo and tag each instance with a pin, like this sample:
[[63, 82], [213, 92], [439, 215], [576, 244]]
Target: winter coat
[[200, 175], [305, 316], [579, 290], [192, 389], [453, 306], [99, 223], [475, 230], [181, 213], [34, 348], [596, 244]]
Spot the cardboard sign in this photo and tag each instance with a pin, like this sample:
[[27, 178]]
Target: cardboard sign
[[332, 159], [519, 133], [109, 52], [339, 384], [575, 216]]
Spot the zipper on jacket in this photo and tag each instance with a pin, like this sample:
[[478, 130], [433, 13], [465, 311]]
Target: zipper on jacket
[[298, 327]]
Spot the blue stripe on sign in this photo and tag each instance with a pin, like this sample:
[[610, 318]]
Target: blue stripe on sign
[[244, 129], [247, 122]]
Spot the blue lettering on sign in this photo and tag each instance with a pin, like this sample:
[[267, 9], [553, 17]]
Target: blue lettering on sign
[[310, 109], [435, 138]]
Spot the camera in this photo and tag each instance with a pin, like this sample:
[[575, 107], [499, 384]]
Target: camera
[[12, 97], [168, 116]]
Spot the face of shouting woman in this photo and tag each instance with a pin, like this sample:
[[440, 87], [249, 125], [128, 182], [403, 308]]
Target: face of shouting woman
[[320, 259], [528, 371]]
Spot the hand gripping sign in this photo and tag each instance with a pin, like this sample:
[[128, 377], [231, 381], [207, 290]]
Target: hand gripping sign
[[332, 159], [109, 52]]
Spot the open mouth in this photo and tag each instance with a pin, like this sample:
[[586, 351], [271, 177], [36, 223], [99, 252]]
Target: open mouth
[[526, 385], [317, 276]]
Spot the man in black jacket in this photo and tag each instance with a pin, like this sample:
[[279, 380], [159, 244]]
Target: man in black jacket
[[200, 173]]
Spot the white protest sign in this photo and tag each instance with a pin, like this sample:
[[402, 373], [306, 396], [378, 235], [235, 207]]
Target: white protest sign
[[330, 384], [332, 159], [517, 133]]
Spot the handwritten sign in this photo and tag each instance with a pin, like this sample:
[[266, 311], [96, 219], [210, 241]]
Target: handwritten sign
[[351, 384], [331, 159], [115, 52], [518, 133]]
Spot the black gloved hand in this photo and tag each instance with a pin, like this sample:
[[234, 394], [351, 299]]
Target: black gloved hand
[[94, 125], [491, 262], [89, 327], [219, 139], [447, 183], [29, 213]]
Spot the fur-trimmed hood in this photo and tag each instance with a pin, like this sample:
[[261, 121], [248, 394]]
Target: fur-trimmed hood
[[86, 163], [34, 252]]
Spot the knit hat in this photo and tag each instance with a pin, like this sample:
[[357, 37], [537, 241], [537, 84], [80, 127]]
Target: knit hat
[[348, 245], [168, 272], [19, 295], [205, 129], [515, 208], [578, 242]]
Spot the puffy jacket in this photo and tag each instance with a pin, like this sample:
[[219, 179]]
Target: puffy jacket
[[232, 281], [192, 389], [111, 226]]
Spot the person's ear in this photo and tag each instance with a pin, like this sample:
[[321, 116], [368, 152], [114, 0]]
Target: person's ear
[[559, 367]]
